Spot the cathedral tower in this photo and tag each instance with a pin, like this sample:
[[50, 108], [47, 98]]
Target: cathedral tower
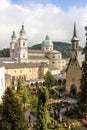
[[13, 45], [22, 48]]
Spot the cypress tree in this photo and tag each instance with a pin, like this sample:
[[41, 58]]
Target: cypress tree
[[83, 86], [23, 93], [42, 116], [12, 112]]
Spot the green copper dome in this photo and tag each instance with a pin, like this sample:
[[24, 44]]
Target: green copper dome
[[22, 31], [13, 35], [47, 42]]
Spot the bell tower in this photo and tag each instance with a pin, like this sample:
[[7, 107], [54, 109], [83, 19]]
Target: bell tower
[[22, 52], [13, 45], [74, 42]]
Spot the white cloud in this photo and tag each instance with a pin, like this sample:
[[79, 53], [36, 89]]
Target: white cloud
[[40, 20]]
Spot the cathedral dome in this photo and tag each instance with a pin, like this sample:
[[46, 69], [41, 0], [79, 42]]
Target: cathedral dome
[[47, 42]]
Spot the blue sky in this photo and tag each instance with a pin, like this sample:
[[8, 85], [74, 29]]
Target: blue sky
[[64, 4]]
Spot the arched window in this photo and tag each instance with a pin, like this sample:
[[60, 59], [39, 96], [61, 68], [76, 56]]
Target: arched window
[[24, 55], [23, 43]]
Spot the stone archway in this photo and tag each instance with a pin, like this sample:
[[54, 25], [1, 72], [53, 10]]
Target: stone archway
[[73, 91], [60, 82]]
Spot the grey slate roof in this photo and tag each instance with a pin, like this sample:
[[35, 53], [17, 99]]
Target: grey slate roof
[[59, 76], [51, 67], [3, 59], [31, 57], [35, 51], [22, 65]]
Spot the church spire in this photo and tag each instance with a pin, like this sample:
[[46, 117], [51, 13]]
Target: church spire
[[74, 31], [74, 38], [13, 36], [47, 37], [74, 41]]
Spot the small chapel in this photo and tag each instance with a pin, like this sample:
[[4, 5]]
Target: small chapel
[[73, 71]]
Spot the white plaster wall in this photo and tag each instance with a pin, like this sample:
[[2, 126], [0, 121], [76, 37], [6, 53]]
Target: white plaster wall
[[2, 81]]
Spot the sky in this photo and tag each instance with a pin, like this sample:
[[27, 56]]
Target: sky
[[41, 17]]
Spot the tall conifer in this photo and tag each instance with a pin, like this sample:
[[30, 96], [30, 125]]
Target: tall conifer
[[83, 86], [42, 116], [12, 112]]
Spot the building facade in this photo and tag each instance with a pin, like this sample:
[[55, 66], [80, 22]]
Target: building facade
[[2, 81], [20, 52], [25, 71], [73, 71]]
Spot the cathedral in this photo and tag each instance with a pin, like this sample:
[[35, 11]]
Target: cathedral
[[30, 65], [19, 51]]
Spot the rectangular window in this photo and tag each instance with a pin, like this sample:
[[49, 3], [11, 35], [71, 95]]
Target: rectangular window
[[58, 57], [23, 55], [53, 62], [23, 43]]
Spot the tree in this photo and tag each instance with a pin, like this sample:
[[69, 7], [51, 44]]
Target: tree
[[19, 86], [49, 79], [12, 112], [25, 97], [83, 86], [42, 115], [23, 93]]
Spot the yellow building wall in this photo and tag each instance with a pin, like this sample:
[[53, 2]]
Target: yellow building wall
[[24, 73]]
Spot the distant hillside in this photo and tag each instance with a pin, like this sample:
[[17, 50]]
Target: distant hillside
[[4, 52], [63, 47]]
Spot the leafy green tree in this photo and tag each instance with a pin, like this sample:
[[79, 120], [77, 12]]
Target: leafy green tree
[[83, 94], [49, 79], [12, 112], [42, 115], [5, 52]]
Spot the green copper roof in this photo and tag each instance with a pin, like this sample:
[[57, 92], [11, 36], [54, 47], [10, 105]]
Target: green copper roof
[[22, 31], [13, 35], [74, 39], [47, 42]]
